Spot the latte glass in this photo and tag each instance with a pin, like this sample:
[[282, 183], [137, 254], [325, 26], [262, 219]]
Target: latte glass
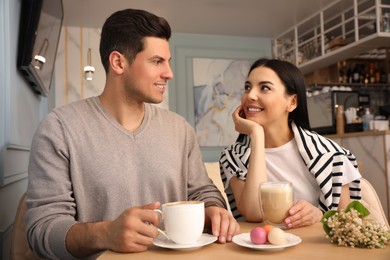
[[275, 199]]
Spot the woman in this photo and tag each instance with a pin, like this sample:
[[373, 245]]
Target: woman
[[274, 144]]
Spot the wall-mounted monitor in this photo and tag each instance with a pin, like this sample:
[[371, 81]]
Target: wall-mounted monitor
[[39, 32]]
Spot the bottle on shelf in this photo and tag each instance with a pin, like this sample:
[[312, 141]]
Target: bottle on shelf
[[349, 75], [383, 75], [377, 74], [367, 118], [340, 120], [343, 78], [362, 73], [366, 78], [356, 74], [372, 72]]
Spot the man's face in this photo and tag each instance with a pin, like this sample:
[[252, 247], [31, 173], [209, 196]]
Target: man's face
[[146, 78]]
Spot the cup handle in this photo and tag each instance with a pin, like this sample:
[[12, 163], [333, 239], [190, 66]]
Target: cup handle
[[163, 233], [159, 230], [159, 211]]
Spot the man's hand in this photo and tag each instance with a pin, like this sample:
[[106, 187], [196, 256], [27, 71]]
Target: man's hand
[[133, 231], [222, 223]]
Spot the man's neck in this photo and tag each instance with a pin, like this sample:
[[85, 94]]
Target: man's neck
[[129, 114]]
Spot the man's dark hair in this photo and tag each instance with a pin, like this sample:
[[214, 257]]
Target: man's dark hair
[[124, 31]]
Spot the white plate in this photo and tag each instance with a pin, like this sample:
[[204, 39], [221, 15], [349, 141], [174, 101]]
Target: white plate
[[244, 240], [204, 240]]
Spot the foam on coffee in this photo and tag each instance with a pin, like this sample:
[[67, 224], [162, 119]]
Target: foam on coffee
[[183, 203]]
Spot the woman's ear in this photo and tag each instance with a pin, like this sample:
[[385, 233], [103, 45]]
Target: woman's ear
[[116, 62], [293, 103]]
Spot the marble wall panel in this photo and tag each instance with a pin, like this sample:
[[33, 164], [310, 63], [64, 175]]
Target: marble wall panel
[[373, 153]]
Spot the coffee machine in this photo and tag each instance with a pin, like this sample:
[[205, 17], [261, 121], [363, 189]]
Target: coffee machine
[[322, 110]]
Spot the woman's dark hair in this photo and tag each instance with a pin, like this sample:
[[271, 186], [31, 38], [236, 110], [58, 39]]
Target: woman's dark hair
[[294, 82], [124, 31]]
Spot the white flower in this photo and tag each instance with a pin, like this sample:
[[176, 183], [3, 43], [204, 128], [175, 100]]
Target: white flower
[[352, 229]]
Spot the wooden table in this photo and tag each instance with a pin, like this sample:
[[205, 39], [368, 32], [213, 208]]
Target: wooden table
[[314, 245]]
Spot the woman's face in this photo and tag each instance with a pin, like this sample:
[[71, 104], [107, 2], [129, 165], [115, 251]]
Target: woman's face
[[265, 100]]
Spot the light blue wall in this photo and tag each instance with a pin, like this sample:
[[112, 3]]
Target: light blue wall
[[20, 112], [184, 47]]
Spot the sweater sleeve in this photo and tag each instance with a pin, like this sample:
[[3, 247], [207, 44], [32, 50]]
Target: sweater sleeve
[[200, 186], [51, 206]]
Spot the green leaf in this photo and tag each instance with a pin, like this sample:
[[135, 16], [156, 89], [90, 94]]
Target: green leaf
[[327, 215], [358, 206], [326, 228]]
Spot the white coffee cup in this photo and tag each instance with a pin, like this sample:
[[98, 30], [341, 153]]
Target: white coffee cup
[[183, 221], [275, 199]]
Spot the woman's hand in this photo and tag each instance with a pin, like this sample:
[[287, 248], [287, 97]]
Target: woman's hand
[[245, 192], [303, 214], [243, 125]]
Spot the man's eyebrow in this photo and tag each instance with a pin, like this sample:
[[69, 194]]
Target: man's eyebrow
[[159, 57]]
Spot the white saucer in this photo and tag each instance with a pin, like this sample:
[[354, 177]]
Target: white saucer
[[244, 240], [204, 240]]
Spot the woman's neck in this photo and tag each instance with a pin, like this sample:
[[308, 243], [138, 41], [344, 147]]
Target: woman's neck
[[276, 137]]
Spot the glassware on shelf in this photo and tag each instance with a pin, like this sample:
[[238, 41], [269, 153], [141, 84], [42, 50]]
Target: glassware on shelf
[[386, 22], [315, 42], [285, 49]]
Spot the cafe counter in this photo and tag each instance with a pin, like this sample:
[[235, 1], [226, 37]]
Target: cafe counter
[[314, 245]]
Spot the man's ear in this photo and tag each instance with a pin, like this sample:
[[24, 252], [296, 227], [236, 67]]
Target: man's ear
[[116, 62], [293, 103]]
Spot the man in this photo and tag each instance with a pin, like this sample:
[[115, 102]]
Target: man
[[100, 166]]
